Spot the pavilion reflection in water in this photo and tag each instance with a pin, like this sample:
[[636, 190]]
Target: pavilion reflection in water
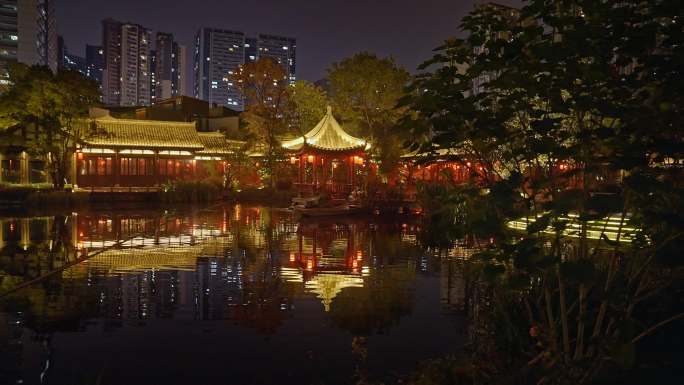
[[195, 255], [243, 263]]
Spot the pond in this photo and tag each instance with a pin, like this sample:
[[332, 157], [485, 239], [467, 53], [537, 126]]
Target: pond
[[222, 294]]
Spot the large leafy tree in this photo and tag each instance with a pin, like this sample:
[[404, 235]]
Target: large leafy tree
[[47, 110], [365, 90], [308, 104], [264, 86], [565, 114]]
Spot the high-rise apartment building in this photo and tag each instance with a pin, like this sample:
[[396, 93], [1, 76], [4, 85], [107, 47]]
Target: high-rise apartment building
[[251, 49], [28, 34], [153, 76], [126, 74], [179, 86], [282, 49], [170, 66], [218, 54], [94, 62], [164, 60], [75, 63], [67, 60]]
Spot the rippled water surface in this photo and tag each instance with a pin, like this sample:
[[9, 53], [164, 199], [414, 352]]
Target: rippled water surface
[[226, 294]]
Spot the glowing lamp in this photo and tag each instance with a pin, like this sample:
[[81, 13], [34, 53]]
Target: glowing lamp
[[80, 155], [310, 159], [309, 265], [293, 159], [292, 257]]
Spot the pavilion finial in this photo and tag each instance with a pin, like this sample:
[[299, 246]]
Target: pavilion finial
[[329, 110]]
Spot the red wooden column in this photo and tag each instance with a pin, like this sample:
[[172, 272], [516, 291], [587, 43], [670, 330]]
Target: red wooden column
[[155, 165], [326, 165], [116, 168], [301, 173], [313, 172]]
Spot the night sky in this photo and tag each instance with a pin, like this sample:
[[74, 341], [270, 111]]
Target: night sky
[[326, 30]]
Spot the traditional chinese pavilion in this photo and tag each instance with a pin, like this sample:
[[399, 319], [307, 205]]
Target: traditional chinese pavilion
[[328, 158]]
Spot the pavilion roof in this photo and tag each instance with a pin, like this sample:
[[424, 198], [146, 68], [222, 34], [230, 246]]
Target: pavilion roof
[[328, 286], [215, 143], [327, 135], [129, 133]]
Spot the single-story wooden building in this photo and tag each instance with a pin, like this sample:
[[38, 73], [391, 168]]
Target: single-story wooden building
[[127, 153]]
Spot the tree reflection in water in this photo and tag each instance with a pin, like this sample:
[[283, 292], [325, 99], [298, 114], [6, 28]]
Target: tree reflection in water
[[248, 265]]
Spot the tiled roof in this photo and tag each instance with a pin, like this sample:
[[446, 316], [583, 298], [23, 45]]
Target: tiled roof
[[129, 133], [215, 143], [327, 135]]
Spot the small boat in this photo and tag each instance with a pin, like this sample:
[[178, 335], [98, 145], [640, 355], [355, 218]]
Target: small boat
[[306, 202], [327, 211]]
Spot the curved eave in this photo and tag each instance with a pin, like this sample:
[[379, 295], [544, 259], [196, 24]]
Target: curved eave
[[319, 149], [214, 153], [140, 146]]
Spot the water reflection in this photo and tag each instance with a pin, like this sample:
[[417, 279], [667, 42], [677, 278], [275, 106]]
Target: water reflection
[[318, 281]]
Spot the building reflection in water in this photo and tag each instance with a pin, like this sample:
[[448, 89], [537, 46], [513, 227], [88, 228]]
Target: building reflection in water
[[150, 263], [245, 264]]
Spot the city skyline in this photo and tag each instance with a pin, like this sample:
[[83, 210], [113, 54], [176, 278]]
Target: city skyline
[[321, 30]]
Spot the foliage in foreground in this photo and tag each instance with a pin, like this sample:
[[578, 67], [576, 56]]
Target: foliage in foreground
[[41, 110], [565, 116]]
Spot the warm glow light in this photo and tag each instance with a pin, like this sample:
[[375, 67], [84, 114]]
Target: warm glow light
[[292, 257], [309, 265], [310, 158], [293, 159]]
